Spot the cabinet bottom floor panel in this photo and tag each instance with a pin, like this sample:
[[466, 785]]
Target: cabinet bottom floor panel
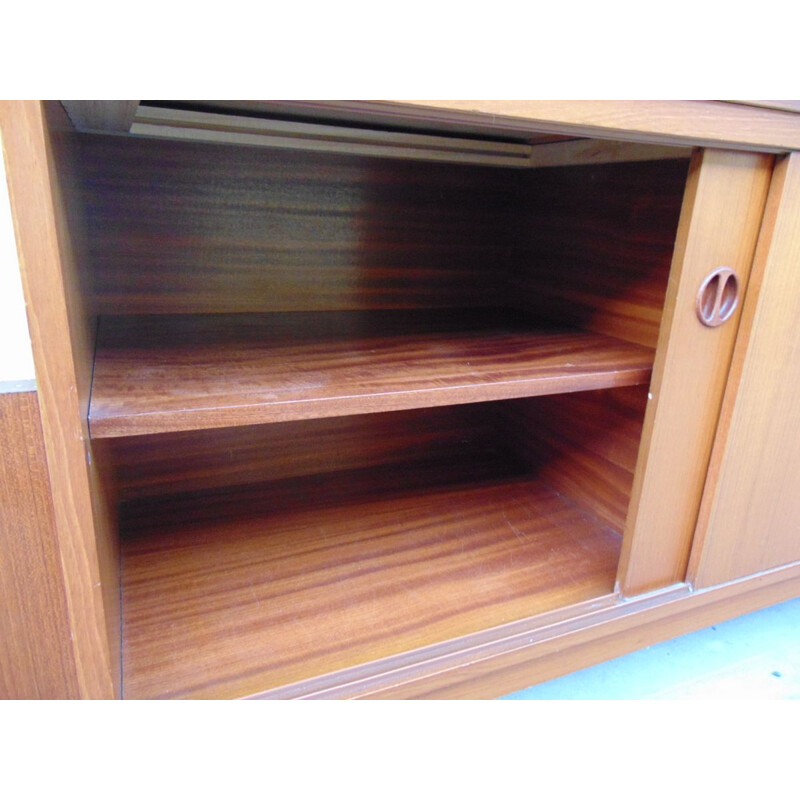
[[258, 587]]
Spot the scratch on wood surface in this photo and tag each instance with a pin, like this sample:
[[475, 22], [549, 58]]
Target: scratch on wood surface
[[517, 532]]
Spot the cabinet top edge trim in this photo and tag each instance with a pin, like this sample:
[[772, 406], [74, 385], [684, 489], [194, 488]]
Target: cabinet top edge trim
[[688, 123], [682, 123]]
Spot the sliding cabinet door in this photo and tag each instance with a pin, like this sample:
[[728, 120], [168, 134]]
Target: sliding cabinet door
[[750, 515]]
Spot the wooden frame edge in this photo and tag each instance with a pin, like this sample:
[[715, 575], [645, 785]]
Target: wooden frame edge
[[36, 227], [534, 653], [703, 123]]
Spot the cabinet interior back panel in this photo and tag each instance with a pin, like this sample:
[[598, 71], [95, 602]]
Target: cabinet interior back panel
[[190, 228], [199, 461], [184, 227], [585, 444]]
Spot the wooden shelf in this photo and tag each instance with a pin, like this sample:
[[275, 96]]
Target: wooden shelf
[[231, 593], [160, 373]]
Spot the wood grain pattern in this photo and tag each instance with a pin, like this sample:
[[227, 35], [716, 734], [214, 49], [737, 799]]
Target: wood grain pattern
[[594, 245], [158, 374], [583, 445], [183, 227], [682, 122], [233, 606], [431, 549], [71, 225], [190, 228], [778, 105], [36, 659], [750, 517], [719, 226], [192, 461], [36, 145], [509, 657]]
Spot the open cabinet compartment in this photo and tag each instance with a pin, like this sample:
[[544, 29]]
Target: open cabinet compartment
[[334, 542], [351, 406]]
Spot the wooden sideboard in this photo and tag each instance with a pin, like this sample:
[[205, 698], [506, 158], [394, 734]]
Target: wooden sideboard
[[372, 399]]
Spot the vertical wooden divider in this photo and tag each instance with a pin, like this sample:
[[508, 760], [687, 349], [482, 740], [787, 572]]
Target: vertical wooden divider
[[62, 335]]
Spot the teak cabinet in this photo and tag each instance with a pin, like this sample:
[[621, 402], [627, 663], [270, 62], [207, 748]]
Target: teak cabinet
[[394, 400]]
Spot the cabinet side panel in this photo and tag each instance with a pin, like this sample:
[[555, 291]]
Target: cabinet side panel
[[61, 334], [719, 225], [584, 445], [36, 653], [750, 517], [71, 226], [594, 245]]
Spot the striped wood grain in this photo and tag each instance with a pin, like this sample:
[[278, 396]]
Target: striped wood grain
[[281, 591], [583, 445], [184, 227], [191, 461], [160, 374], [36, 658], [503, 659], [189, 228], [38, 140], [594, 246]]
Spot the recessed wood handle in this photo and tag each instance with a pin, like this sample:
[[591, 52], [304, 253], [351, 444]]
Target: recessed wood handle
[[718, 297]]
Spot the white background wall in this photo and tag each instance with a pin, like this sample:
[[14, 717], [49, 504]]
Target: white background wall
[[16, 356]]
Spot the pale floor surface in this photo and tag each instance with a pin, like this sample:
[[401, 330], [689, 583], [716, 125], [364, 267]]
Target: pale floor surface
[[753, 657]]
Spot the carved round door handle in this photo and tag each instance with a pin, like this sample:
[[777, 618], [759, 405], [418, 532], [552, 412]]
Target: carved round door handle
[[718, 297]]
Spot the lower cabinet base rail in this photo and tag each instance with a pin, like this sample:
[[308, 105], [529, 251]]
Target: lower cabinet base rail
[[497, 662]]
